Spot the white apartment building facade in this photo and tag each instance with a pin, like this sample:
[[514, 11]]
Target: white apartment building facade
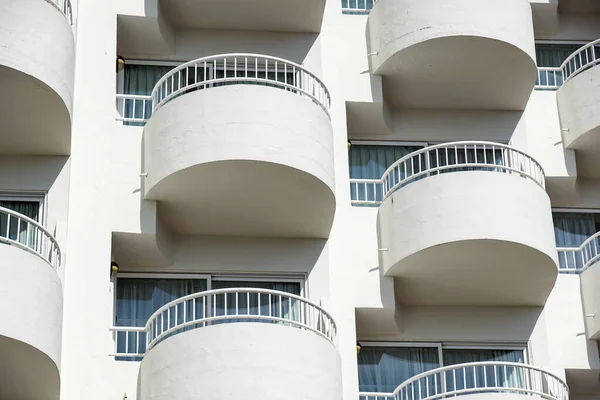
[[390, 200]]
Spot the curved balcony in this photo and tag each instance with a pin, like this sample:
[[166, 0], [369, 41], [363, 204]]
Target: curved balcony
[[30, 342], [241, 145], [578, 81], [479, 380], [461, 222], [262, 338], [582, 259], [37, 63], [453, 55]]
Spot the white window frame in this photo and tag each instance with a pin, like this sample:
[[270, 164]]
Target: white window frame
[[209, 277], [30, 196], [391, 143], [441, 346]]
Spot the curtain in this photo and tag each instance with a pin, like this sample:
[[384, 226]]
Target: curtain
[[553, 55], [571, 230], [251, 304], [481, 377], [138, 298], [383, 369], [30, 209], [140, 80]]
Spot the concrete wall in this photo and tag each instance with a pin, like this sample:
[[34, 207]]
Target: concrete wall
[[242, 361]]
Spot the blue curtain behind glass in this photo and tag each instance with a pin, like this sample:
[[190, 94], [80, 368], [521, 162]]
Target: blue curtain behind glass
[[138, 298], [553, 55], [480, 376], [571, 230], [140, 80], [382, 369], [30, 209]]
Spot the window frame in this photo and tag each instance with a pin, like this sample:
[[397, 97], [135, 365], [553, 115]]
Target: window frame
[[209, 277], [30, 196], [523, 346]]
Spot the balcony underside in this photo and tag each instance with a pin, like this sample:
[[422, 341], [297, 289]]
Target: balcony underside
[[35, 120], [27, 373], [475, 273], [579, 6], [258, 15], [245, 198], [258, 358], [460, 72]]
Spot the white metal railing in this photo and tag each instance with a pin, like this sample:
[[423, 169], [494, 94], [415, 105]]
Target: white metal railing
[[375, 396], [578, 259], [357, 6], [133, 108], [23, 232], [223, 306], [582, 59], [240, 69], [478, 378], [444, 158], [65, 7]]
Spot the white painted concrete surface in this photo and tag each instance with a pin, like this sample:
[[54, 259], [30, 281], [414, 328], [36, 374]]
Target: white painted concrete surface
[[31, 305], [462, 238], [259, 158], [37, 68], [246, 361]]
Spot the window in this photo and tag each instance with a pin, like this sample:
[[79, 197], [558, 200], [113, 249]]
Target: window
[[383, 367], [12, 229], [554, 54], [571, 229], [357, 6]]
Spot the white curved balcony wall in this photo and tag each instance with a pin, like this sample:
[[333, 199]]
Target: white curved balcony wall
[[36, 77], [241, 160], [242, 361], [469, 238], [258, 15], [453, 54], [579, 108], [590, 286], [31, 325]]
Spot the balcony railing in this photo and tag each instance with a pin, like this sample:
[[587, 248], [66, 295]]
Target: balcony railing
[[583, 59], [223, 70], [445, 158], [220, 306], [578, 259], [23, 232], [478, 378], [357, 6], [64, 6]]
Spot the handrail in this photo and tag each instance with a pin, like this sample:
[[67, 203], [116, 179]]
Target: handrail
[[29, 235], [357, 6], [578, 259], [226, 305], [480, 377], [447, 157], [580, 60], [133, 108], [64, 6], [245, 68]]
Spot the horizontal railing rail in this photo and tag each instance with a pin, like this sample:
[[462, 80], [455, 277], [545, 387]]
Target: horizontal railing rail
[[133, 108], [223, 306], [582, 59], [227, 69], [480, 378], [444, 158], [375, 396], [578, 259], [21, 231], [65, 7]]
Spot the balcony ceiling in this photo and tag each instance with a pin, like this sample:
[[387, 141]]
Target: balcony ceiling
[[579, 6]]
